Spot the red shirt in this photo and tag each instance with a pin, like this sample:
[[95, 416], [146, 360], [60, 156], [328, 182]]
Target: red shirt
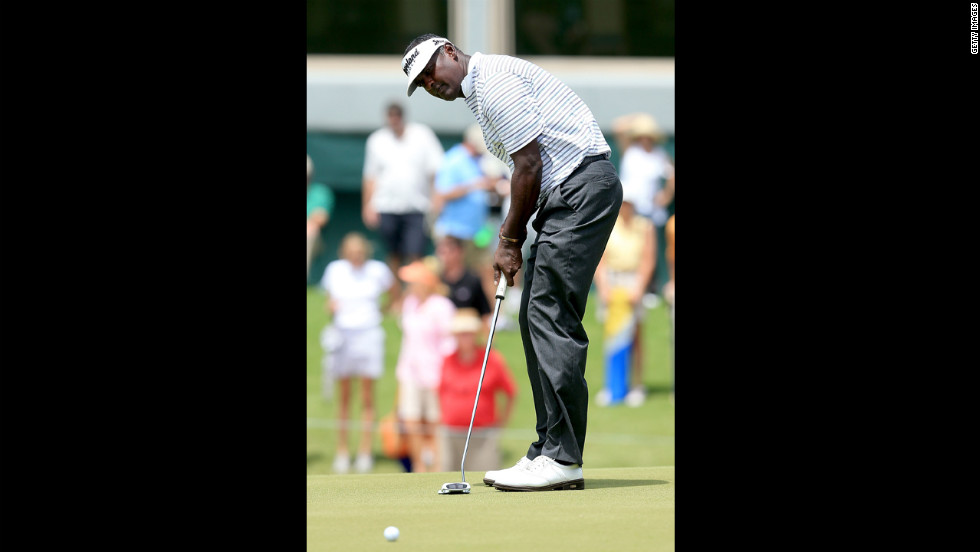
[[457, 389]]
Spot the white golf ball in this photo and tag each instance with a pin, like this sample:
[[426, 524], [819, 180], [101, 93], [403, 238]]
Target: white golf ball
[[391, 532]]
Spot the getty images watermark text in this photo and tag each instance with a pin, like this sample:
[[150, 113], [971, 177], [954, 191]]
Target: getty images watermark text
[[973, 27]]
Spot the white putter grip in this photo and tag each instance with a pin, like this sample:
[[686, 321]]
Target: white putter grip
[[501, 287]]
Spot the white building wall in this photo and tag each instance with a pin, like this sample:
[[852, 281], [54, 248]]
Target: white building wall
[[349, 93]]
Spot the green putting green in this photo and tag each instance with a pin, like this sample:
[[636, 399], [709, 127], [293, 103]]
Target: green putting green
[[620, 509]]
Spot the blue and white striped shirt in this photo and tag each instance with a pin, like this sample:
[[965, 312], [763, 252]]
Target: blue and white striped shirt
[[515, 101]]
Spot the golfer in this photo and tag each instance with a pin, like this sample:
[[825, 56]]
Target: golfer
[[561, 173]]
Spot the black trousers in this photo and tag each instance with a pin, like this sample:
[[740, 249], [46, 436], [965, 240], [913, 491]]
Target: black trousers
[[573, 226]]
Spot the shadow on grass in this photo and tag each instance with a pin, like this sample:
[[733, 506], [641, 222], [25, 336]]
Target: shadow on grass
[[610, 483], [315, 457], [657, 389]]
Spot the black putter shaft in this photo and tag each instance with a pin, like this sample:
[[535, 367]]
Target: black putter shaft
[[501, 288]]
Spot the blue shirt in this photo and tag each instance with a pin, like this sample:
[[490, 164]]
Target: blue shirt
[[464, 216]]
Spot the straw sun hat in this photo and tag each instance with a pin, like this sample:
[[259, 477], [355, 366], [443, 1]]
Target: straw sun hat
[[466, 320], [645, 126]]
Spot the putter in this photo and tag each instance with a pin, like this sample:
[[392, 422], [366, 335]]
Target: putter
[[464, 487]]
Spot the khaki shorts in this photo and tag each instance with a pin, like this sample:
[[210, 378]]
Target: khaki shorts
[[418, 403], [482, 454]]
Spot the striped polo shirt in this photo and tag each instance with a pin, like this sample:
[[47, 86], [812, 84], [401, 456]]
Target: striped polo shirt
[[515, 101]]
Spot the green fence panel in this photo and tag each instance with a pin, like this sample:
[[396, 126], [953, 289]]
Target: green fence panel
[[338, 159]]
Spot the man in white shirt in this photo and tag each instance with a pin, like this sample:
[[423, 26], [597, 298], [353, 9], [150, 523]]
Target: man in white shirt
[[644, 168], [647, 174], [400, 163]]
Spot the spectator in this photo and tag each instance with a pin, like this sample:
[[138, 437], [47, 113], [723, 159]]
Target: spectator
[[400, 164], [457, 391], [425, 317], [354, 341], [465, 289], [460, 200], [465, 184], [644, 170], [621, 280], [319, 206]]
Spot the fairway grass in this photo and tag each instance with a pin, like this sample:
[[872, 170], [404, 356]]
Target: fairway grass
[[620, 509]]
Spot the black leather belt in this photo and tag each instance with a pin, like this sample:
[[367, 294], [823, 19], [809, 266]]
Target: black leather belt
[[585, 162]]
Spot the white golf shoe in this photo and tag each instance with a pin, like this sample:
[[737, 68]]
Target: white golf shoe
[[544, 474], [492, 476]]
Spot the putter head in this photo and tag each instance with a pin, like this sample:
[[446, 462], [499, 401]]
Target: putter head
[[455, 488]]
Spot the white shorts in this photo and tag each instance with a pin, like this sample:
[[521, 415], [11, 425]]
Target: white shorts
[[418, 403], [353, 353]]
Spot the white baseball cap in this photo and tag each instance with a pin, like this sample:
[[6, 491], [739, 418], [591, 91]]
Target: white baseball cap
[[418, 57]]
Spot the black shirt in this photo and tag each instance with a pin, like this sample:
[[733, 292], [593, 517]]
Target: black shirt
[[468, 292]]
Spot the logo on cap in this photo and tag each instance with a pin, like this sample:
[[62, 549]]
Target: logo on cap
[[408, 62]]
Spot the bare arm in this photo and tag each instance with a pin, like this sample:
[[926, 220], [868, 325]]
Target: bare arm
[[482, 183], [319, 217], [368, 214], [525, 186], [666, 195], [440, 199]]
